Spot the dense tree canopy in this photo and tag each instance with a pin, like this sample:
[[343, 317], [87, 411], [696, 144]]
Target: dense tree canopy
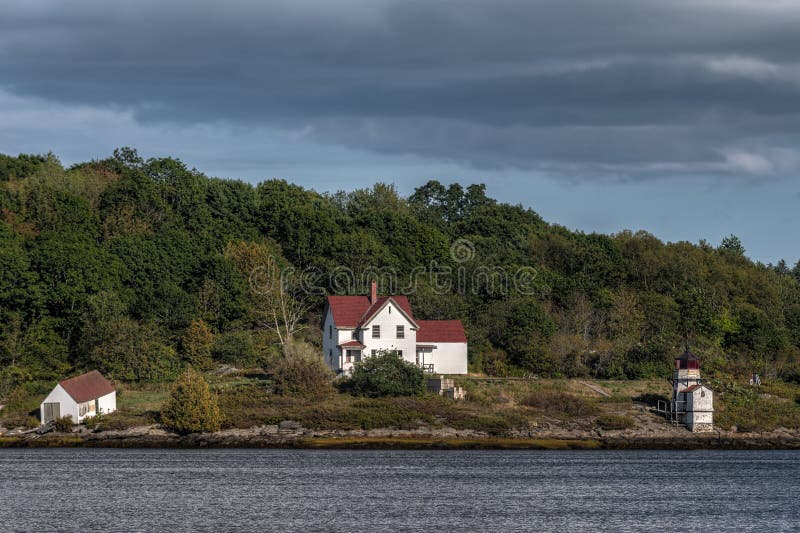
[[139, 267]]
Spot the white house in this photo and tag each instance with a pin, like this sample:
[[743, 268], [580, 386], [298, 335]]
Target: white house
[[80, 397], [355, 327]]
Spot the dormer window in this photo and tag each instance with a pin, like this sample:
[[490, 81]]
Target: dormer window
[[376, 332]]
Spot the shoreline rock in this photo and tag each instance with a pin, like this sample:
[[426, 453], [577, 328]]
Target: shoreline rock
[[291, 434]]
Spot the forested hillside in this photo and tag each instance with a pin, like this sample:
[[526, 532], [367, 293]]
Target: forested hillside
[[140, 267]]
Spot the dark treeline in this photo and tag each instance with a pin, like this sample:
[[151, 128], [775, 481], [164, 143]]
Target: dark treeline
[[140, 267]]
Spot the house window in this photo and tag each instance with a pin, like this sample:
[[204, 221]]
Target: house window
[[347, 357], [399, 353], [330, 354], [390, 309], [376, 332], [401, 332], [354, 334], [374, 352]]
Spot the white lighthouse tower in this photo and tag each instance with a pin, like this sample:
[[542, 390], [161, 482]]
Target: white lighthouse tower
[[692, 402]]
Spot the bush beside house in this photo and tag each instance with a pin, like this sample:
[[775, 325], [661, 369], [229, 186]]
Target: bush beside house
[[385, 374]]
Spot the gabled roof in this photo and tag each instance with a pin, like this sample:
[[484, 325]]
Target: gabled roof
[[355, 311], [441, 331], [401, 302], [351, 344], [89, 386]]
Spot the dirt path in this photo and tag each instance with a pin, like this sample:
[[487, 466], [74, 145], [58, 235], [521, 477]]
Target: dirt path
[[596, 388]]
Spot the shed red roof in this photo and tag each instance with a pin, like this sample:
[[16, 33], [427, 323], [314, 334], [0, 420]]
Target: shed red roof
[[354, 311], [441, 331], [87, 386]]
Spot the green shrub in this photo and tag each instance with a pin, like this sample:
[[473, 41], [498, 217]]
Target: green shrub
[[651, 399], [93, 421], [235, 348], [301, 372], [191, 407], [63, 424], [611, 422], [10, 377], [556, 401], [385, 374], [791, 373]]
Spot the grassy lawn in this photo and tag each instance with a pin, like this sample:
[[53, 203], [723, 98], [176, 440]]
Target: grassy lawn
[[494, 406], [142, 399]]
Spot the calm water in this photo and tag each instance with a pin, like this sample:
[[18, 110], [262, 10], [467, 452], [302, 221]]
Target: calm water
[[278, 490]]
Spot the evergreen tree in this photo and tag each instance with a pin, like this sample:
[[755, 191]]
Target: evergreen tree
[[196, 345], [191, 407]]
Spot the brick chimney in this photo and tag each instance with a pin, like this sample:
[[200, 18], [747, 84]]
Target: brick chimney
[[373, 293]]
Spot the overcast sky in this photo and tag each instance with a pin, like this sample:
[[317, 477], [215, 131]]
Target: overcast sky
[[679, 117]]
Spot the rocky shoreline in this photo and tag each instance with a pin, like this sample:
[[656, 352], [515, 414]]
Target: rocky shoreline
[[289, 434]]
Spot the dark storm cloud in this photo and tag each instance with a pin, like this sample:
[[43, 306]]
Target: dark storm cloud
[[580, 88]]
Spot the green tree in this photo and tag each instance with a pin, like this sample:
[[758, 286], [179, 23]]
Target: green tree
[[196, 345], [733, 244], [522, 328], [191, 407]]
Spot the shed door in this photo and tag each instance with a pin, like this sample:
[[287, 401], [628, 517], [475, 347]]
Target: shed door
[[51, 411]]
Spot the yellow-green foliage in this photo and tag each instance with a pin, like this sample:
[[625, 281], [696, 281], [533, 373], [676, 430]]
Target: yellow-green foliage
[[753, 409], [196, 344], [556, 401], [63, 424], [191, 408], [610, 422], [251, 405], [301, 372]]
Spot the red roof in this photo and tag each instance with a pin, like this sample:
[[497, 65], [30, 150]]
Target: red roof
[[441, 331], [354, 311], [89, 386], [348, 310], [351, 344], [400, 301]]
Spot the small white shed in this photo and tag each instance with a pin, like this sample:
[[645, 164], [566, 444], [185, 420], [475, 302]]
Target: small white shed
[[80, 397]]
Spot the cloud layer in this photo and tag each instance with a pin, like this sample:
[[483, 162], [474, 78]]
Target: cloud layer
[[579, 89]]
